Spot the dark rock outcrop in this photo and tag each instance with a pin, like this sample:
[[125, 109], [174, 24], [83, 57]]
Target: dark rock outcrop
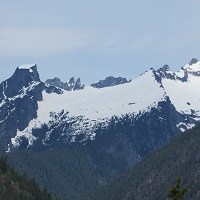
[[193, 61], [70, 85], [110, 81], [19, 96]]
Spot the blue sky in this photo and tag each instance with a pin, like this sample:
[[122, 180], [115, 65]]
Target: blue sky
[[93, 39]]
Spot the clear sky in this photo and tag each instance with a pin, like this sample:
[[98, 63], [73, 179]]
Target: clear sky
[[92, 39]]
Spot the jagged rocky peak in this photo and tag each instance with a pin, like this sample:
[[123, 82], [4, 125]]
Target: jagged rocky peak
[[55, 82], [193, 67], [193, 61], [23, 77], [165, 68], [29, 71], [165, 72], [70, 85], [78, 85], [71, 81], [110, 81]]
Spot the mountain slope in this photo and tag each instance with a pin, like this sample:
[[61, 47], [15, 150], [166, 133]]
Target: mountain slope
[[153, 177], [16, 187], [19, 97], [72, 173]]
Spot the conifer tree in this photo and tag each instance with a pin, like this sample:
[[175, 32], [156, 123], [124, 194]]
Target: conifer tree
[[177, 192]]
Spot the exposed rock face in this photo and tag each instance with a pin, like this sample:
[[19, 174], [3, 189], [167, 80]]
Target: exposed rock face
[[19, 80], [18, 101], [18, 96], [110, 81], [193, 61], [70, 85], [193, 67], [165, 72]]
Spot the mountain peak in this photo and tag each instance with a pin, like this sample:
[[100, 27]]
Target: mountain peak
[[165, 68], [70, 85], [110, 81], [23, 76], [165, 72], [193, 61], [26, 66], [28, 72], [193, 67]]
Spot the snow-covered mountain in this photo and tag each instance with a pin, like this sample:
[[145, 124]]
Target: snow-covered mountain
[[142, 114]]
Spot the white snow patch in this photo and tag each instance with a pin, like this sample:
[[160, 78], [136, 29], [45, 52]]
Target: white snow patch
[[183, 126], [192, 68], [27, 66], [180, 73], [184, 95], [103, 103], [26, 134], [2, 103], [5, 85]]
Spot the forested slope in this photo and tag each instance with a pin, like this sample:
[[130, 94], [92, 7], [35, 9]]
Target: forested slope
[[16, 187], [154, 176]]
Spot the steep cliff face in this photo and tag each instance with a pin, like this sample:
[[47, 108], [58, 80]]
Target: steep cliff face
[[19, 97]]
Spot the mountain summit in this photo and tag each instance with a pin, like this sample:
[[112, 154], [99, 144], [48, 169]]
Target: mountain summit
[[22, 78]]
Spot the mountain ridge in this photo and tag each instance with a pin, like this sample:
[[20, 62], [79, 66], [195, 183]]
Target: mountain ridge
[[89, 108], [124, 123]]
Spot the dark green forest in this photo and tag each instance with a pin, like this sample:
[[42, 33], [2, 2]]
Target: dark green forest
[[70, 172], [16, 187], [153, 177], [78, 172]]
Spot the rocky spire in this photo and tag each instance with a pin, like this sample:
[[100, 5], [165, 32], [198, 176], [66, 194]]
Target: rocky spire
[[70, 85]]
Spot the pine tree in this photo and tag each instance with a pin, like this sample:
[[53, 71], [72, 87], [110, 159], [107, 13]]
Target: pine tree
[[177, 192]]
